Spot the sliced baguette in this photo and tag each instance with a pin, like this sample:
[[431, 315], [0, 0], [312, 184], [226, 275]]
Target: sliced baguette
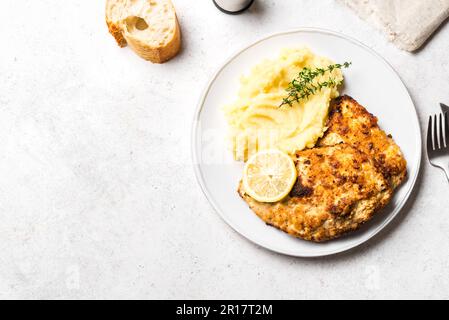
[[149, 27]]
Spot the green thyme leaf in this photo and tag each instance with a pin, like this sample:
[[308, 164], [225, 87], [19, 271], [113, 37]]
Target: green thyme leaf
[[304, 85]]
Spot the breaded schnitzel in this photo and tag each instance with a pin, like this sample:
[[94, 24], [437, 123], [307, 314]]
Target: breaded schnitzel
[[341, 183], [351, 123], [338, 188]]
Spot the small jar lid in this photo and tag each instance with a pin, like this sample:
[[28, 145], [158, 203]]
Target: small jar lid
[[238, 11]]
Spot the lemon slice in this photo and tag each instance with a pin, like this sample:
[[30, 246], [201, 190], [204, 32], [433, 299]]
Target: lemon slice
[[269, 176]]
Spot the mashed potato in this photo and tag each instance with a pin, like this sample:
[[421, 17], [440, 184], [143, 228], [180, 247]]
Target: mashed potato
[[257, 122]]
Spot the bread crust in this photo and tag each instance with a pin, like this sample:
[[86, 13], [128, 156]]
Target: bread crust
[[117, 33], [159, 54]]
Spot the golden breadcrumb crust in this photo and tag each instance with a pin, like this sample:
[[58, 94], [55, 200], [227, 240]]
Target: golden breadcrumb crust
[[351, 123]]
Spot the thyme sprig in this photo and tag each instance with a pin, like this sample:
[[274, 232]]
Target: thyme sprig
[[304, 85]]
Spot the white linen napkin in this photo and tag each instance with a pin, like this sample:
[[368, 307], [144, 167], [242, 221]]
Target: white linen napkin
[[408, 23]]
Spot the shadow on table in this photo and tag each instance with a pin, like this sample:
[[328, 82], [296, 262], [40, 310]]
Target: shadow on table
[[257, 9]]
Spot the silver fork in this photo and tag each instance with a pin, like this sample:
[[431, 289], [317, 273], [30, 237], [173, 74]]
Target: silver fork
[[438, 142]]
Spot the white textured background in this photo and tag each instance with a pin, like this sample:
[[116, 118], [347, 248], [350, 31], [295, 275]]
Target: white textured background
[[97, 195]]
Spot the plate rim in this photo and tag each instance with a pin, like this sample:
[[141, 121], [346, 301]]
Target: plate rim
[[206, 192]]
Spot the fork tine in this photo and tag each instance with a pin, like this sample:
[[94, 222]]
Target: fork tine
[[441, 131], [429, 135], [446, 126], [436, 145]]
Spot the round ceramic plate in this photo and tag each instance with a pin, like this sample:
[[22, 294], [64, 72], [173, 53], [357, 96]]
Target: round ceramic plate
[[370, 80]]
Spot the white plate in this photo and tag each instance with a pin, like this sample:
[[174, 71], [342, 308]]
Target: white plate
[[370, 80]]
